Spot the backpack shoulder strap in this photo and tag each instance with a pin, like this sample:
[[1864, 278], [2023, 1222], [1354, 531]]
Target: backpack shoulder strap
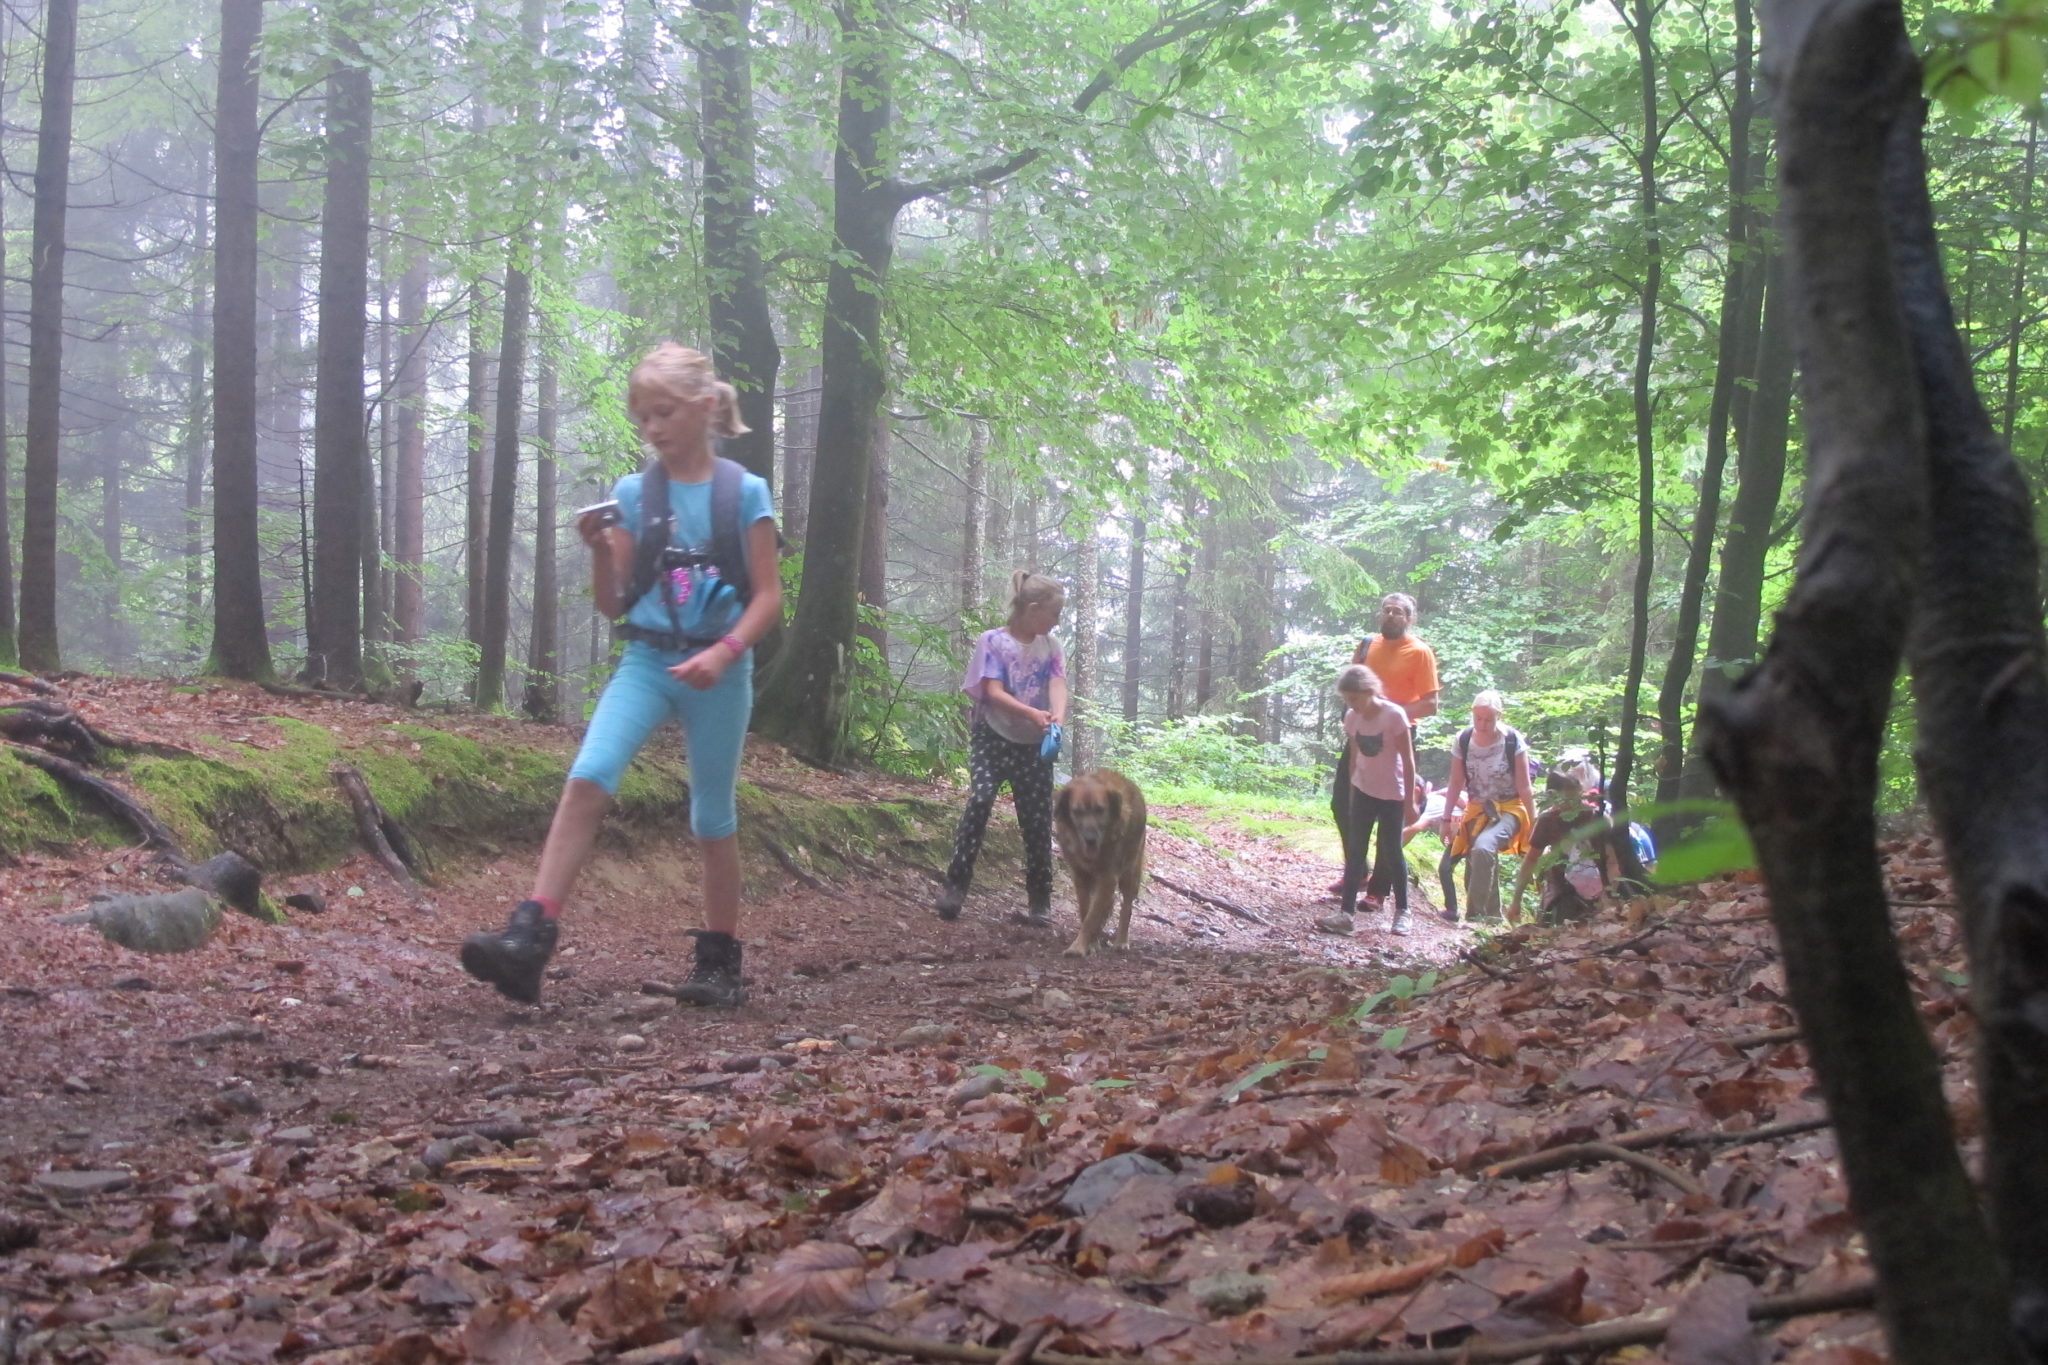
[[728, 537], [657, 518], [1465, 743], [1514, 740]]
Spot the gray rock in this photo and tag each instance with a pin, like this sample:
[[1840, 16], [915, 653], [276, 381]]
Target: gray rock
[[234, 879], [1098, 1184], [437, 1155], [629, 1042], [1229, 1294], [923, 1035], [163, 922], [300, 1136], [71, 1187], [312, 902], [974, 1088]]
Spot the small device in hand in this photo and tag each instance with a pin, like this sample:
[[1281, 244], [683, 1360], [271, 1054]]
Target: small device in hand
[[607, 513]]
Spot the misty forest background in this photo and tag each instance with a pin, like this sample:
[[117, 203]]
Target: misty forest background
[[1231, 316]]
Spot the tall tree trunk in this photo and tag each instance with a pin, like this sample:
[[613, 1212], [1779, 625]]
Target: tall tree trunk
[[544, 654], [799, 452], [45, 342], [476, 468], [194, 453], [2019, 286], [490, 674], [874, 541], [804, 693], [1741, 305], [1205, 646], [113, 472], [1640, 15], [1087, 680], [1759, 486], [742, 329], [340, 436], [997, 553], [1177, 641], [10, 641], [409, 398], [972, 570], [1134, 610]]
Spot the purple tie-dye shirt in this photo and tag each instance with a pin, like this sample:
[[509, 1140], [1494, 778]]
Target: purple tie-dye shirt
[[1026, 672]]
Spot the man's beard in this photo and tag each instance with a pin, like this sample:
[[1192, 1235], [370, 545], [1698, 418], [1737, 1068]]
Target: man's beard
[[1393, 632]]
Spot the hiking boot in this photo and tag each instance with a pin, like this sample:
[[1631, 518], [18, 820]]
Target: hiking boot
[[949, 902], [1038, 916], [1402, 923], [715, 977], [513, 958], [1335, 924]]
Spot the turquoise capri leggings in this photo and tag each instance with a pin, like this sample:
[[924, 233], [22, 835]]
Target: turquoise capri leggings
[[640, 696]]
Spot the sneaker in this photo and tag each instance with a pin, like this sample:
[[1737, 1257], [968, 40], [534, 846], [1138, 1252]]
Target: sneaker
[[513, 958], [1335, 888], [1402, 923], [1038, 916], [715, 980], [1335, 924], [949, 902]]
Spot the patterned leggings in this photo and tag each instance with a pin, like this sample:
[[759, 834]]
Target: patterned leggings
[[994, 761]]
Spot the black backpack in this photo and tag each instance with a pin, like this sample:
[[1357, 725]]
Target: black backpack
[[1514, 741], [728, 553]]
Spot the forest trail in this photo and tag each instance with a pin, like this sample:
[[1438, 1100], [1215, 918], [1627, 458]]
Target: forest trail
[[321, 1142]]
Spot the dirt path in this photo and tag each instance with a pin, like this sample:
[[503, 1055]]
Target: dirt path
[[98, 1054]]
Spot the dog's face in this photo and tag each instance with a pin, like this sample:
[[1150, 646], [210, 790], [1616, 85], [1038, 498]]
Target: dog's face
[[1093, 810]]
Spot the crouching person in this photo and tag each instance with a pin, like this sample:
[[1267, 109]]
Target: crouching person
[[686, 553]]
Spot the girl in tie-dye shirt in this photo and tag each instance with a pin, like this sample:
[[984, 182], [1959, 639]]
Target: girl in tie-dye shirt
[[1018, 680]]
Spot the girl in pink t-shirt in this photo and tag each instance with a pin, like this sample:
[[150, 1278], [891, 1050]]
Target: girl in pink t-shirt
[[1383, 788]]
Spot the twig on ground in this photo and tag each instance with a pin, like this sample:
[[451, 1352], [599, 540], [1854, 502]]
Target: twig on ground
[[1749, 1040], [1605, 1336], [1204, 898], [1748, 1135], [1020, 1351]]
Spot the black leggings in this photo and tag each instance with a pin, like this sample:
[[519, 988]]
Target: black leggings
[[993, 761], [1364, 814]]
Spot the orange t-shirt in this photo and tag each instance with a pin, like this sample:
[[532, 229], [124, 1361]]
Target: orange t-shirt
[[1407, 668]]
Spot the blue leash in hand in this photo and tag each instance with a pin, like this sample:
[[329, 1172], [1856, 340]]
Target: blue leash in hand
[[1049, 747]]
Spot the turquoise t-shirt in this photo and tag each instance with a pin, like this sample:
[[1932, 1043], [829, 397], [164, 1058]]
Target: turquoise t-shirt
[[706, 607]]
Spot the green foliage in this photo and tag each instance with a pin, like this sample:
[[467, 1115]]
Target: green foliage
[[1207, 752], [892, 725], [444, 661]]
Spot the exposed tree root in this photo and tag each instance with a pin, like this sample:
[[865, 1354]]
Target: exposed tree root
[[154, 834], [383, 835]]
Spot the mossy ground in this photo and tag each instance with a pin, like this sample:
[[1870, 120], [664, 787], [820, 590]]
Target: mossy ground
[[269, 793]]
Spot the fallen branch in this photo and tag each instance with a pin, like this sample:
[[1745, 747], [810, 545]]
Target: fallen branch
[[1204, 898], [1748, 1135], [1557, 1158], [28, 684], [1768, 1036], [1605, 1336], [371, 824], [1020, 1351], [154, 835]]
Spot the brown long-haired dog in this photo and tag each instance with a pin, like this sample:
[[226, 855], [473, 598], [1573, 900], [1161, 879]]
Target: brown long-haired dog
[[1100, 817]]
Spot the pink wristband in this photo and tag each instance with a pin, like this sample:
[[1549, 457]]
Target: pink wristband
[[736, 645]]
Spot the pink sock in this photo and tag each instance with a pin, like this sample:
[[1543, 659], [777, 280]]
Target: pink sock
[[550, 908]]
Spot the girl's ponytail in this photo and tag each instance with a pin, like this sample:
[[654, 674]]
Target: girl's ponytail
[[1028, 589], [725, 419]]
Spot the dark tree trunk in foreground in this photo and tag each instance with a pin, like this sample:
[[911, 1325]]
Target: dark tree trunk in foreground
[[45, 342], [497, 631], [476, 469], [874, 543], [1797, 742], [340, 438], [1978, 654], [742, 330]]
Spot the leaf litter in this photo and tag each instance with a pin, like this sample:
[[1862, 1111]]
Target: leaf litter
[[321, 1143]]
